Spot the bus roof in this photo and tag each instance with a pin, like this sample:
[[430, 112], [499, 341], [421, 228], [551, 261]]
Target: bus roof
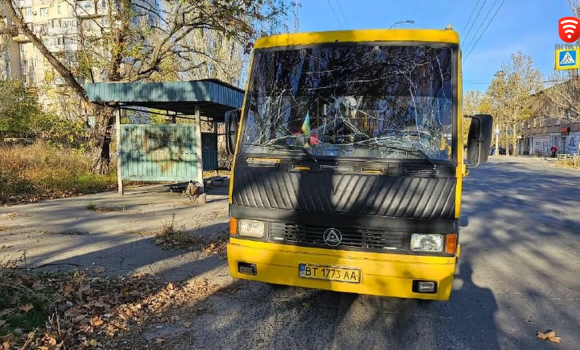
[[363, 35]]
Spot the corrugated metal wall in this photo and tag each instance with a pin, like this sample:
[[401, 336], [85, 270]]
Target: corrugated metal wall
[[158, 152], [209, 151]]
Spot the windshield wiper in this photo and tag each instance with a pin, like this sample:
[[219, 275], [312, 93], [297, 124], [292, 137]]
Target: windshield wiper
[[305, 151], [287, 147], [422, 153], [412, 150]]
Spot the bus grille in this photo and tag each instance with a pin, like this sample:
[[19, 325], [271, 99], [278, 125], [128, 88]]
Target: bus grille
[[309, 235]]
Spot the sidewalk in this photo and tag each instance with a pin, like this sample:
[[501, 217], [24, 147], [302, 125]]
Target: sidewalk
[[545, 161], [115, 234]]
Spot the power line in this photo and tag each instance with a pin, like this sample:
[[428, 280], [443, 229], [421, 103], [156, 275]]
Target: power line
[[342, 13], [469, 19], [475, 20], [334, 13], [491, 20], [481, 25]]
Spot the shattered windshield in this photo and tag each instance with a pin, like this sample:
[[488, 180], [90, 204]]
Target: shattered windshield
[[358, 101]]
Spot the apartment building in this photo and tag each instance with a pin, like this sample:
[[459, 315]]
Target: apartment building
[[62, 26], [550, 126]]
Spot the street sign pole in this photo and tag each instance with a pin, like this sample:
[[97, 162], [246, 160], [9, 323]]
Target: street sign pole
[[497, 141]]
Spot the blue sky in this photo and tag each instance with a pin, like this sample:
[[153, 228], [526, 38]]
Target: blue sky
[[528, 26]]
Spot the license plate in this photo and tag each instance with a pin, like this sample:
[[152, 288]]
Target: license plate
[[329, 273]]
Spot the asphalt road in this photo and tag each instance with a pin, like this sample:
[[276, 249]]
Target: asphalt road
[[518, 274]]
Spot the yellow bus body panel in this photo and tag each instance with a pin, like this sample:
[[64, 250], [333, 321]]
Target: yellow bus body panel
[[369, 35], [382, 274]]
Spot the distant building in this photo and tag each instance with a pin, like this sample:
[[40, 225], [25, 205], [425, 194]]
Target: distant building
[[548, 126], [60, 25]]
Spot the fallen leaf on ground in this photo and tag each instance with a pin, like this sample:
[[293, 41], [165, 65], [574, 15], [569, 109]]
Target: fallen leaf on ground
[[549, 335], [101, 305], [186, 324], [84, 289], [2, 323], [37, 286], [69, 288], [51, 341], [25, 308], [100, 270], [96, 321]]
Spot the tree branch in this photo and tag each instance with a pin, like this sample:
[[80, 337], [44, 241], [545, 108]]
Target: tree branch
[[60, 68]]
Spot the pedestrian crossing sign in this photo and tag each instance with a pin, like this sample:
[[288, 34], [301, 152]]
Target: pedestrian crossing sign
[[567, 58]]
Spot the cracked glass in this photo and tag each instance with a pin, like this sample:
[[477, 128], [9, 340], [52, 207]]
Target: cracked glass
[[352, 101]]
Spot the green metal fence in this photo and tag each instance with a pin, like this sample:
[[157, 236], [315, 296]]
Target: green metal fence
[[158, 152]]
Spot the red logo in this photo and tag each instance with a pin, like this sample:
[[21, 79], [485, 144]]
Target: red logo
[[569, 29]]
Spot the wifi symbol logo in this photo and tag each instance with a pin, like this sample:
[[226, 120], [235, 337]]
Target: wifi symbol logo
[[569, 29]]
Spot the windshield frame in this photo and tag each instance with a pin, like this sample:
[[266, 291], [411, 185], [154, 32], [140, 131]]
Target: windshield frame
[[297, 154]]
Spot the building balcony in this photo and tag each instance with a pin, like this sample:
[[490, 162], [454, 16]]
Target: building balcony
[[18, 36], [72, 30], [87, 9], [69, 47], [23, 3], [21, 38]]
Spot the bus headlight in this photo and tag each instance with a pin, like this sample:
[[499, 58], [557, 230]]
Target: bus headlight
[[251, 228], [426, 242]]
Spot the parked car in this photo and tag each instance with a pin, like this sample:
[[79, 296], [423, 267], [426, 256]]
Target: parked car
[[502, 151]]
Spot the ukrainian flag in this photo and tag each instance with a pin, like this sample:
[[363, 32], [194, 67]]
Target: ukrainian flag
[[306, 126]]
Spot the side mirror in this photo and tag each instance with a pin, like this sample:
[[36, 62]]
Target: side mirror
[[232, 119], [479, 138]]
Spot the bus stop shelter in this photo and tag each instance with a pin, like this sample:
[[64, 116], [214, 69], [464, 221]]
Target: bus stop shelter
[[173, 152]]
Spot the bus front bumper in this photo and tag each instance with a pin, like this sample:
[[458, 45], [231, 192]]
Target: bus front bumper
[[382, 274]]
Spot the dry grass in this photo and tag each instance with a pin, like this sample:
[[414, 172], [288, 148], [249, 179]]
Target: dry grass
[[173, 236], [573, 163], [40, 171]]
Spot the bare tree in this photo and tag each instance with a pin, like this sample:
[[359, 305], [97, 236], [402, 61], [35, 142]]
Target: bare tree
[[563, 97], [472, 101], [225, 58], [140, 41], [509, 95]]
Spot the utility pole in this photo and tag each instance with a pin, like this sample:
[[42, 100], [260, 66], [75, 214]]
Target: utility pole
[[496, 141]]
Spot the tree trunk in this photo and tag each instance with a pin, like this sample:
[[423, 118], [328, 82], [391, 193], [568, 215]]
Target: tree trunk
[[100, 139], [514, 140]]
